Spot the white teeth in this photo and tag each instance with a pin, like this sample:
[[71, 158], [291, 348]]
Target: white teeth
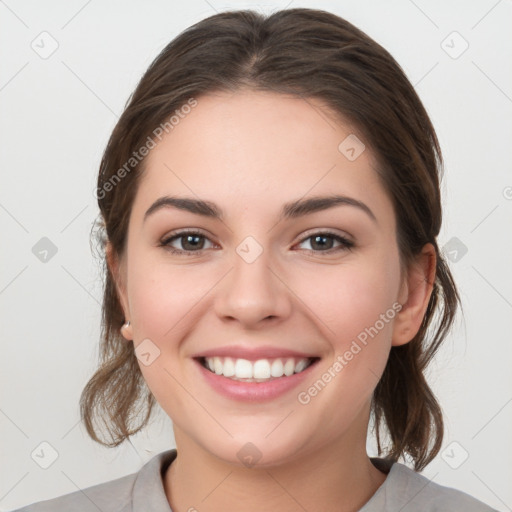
[[256, 371], [276, 370], [300, 365], [228, 369], [289, 366], [243, 369], [261, 369]]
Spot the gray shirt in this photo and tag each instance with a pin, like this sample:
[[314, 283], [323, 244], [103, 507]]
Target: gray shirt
[[403, 490]]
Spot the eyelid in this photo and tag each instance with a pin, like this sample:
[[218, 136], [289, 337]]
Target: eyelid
[[185, 231], [304, 236], [326, 231], [346, 242]]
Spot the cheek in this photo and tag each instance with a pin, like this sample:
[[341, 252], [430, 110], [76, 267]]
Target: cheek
[[164, 300], [162, 295], [350, 298], [359, 313]]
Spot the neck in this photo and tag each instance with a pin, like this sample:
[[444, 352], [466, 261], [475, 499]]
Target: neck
[[338, 477]]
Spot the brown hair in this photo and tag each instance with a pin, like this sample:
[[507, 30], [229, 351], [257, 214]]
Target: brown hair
[[311, 54]]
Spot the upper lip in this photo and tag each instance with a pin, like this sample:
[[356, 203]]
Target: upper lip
[[253, 353]]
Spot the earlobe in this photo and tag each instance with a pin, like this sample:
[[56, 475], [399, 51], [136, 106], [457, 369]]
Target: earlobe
[[415, 294], [115, 270]]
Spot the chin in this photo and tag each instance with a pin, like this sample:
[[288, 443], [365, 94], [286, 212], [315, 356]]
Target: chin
[[256, 451]]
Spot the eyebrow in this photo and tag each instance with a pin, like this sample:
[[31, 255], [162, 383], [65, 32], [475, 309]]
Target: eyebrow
[[291, 210]]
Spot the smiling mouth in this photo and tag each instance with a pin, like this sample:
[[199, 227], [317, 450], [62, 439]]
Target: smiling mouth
[[261, 370]]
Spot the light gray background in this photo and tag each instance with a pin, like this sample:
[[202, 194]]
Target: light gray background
[[56, 116]]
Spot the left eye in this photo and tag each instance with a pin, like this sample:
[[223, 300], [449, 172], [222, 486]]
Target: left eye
[[319, 240], [193, 242]]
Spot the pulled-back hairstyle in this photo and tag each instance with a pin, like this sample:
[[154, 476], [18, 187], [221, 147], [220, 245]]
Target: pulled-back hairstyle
[[306, 53]]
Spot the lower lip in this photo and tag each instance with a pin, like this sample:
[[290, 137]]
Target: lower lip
[[254, 391]]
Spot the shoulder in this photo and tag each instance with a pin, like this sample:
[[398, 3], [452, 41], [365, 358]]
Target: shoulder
[[112, 496], [408, 491], [131, 492]]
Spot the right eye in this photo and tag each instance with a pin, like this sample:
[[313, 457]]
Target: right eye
[[191, 241]]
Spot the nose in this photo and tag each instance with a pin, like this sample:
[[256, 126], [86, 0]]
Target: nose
[[252, 293]]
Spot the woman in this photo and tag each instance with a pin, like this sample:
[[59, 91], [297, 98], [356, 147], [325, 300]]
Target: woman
[[270, 199]]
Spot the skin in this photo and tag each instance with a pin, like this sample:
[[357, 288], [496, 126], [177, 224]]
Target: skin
[[251, 152]]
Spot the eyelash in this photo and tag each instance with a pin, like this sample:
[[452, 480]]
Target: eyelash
[[345, 243]]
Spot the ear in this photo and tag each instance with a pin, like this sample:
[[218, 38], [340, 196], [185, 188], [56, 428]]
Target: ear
[[414, 296], [117, 272]]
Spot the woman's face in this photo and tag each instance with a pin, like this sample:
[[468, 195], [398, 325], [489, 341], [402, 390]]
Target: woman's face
[[262, 281]]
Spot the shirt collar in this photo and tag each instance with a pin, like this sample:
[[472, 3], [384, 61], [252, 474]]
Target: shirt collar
[[148, 493]]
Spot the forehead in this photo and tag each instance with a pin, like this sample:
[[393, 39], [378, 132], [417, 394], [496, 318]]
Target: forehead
[[260, 149]]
